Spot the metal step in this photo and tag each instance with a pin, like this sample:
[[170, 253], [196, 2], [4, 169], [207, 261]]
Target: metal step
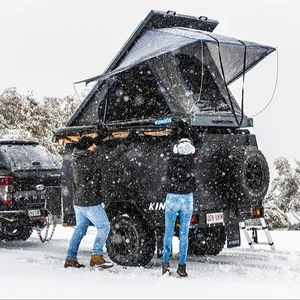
[[254, 229]]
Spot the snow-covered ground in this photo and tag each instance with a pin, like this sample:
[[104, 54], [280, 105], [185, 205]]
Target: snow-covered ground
[[34, 270]]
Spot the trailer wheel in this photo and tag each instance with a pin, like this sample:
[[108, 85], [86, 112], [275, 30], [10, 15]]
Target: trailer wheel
[[130, 241], [207, 241], [249, 177]]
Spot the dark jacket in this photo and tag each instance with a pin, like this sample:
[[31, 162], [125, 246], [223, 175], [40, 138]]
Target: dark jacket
[[180, 174], [87, 178], [87, 172]]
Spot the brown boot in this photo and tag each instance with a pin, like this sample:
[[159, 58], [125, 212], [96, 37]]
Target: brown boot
[[73, 263], [98, 260], [165, 268]]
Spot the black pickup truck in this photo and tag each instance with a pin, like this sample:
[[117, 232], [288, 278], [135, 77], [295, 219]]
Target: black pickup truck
[[30, 188]]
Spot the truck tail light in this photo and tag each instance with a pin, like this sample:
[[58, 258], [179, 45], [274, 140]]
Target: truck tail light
[[256, 212], [194, 219], [6, 189]]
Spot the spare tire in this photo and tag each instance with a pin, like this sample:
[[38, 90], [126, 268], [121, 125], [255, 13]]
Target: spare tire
[[249, 175]]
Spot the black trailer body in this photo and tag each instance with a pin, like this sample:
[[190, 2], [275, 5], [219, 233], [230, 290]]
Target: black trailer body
[[172, 71]]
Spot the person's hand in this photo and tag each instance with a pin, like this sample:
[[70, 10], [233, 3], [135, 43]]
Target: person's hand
[[85, 142], [92, 148]]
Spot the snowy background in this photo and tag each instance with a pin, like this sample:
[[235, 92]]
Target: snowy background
[[47, 45], [32, 270]]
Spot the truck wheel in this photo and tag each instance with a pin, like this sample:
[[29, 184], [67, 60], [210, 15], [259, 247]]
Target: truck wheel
[[250, 174], [130, 241], [207, 241], [15, 232]]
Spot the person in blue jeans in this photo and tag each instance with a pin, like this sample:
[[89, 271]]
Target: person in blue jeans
[[179, 200], [87, 204]]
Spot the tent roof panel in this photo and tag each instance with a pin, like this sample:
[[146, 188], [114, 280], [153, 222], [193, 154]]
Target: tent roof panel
[[155, 42]]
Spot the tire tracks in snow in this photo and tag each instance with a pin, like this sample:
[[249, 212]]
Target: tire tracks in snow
[[262, 260]]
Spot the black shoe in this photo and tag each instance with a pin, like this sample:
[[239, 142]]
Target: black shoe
[[181, 270], [165, 268]]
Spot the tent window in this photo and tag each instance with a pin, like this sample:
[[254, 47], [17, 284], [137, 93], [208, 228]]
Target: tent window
[[135, 95], [191, 69]]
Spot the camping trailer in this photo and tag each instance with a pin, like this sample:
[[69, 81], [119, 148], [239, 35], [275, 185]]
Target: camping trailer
[[173, 71]]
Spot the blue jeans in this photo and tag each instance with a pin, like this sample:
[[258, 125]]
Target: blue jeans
[[182, 204], [85, 215]]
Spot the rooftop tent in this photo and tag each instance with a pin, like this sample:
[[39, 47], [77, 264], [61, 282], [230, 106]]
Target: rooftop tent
[[173, 71]]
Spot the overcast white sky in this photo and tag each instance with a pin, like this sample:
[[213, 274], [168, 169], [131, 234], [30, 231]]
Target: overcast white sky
[[47, 45]]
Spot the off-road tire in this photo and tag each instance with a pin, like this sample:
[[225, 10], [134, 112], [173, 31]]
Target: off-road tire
[[208, 241], [249, 175], [130, 241]]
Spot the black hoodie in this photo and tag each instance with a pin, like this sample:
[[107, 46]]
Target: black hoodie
[[180, 172]]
